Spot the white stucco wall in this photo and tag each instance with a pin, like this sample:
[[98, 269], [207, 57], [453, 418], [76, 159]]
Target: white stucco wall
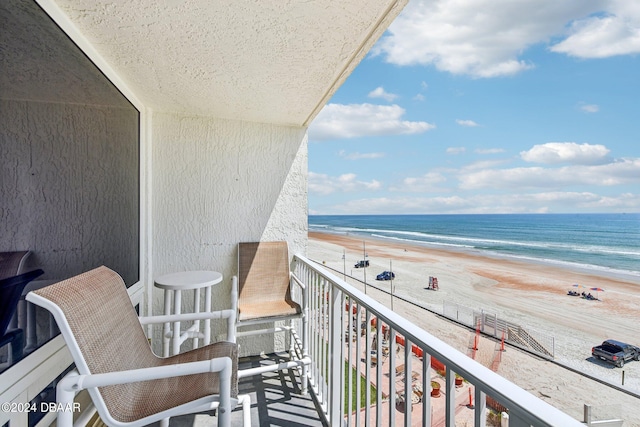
[[216, 183]]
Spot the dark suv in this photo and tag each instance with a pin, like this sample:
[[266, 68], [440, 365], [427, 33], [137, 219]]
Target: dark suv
[[362, 264], [386, 275]]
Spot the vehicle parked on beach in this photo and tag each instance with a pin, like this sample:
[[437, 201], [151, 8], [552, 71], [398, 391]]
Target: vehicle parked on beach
[[362, 264], [386, 275], [616, 352]]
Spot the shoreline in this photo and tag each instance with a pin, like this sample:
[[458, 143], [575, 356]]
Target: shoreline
[[595, 270], [353, 240], [492, 281], [533, 295]]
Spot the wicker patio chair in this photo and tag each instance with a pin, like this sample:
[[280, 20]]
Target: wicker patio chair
[[128, 384], [264, 296]]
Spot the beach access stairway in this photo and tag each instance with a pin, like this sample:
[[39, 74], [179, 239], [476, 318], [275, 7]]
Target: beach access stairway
[[521, 336], [513, 333], [336, 313], [490, 324]]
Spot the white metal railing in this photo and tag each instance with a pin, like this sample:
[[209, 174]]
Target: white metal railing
[[345, 347]]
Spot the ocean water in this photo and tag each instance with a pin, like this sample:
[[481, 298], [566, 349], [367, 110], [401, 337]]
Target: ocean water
[[603, 243]]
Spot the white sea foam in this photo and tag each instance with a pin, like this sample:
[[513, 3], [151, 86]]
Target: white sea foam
[[590, 243], [480, 243]]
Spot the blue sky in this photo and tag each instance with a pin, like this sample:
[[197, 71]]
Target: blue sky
[[487, 106]]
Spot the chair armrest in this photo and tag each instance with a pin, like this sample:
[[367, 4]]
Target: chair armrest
[[234, 293], [305, 293], [297, 281], [73, 382], [186, 317], [229, 314], [79, 382]]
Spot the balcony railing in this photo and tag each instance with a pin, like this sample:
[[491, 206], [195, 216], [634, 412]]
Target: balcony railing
[[359, 375], [370, 366]]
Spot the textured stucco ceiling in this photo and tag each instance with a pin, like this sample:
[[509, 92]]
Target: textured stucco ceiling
[[263, 60]]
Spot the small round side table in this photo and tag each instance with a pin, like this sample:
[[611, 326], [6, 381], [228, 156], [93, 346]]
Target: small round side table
[[174, 284]]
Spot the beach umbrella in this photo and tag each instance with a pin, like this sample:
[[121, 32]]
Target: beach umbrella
[[597, 290]]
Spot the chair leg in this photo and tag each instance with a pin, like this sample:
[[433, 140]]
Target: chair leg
[[65, 394], [245, 400], [302, 370], [224, 419], [224, 407], [292, 350]]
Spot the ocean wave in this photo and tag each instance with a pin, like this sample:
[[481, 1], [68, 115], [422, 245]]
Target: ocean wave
[[548, 261], [484, 243], [423, 242], [574, 265], [608, 251]]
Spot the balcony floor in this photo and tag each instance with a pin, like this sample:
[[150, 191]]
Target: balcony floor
[[275, 399]]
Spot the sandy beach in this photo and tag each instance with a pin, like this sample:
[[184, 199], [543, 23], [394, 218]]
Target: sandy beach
[[530, 294]]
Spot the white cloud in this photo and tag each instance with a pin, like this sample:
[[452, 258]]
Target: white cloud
[[541, 202], [590, 108], [483, 38], [402, 205], [567, 152], [324, 184], [379, 92], [619, 172], [489, 150], [356, 120], [358, 156], [504, 178], [423, 87], [456, 150], [484, 189], [616, 32], [484, 164], [466, 123], [424, 183]]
